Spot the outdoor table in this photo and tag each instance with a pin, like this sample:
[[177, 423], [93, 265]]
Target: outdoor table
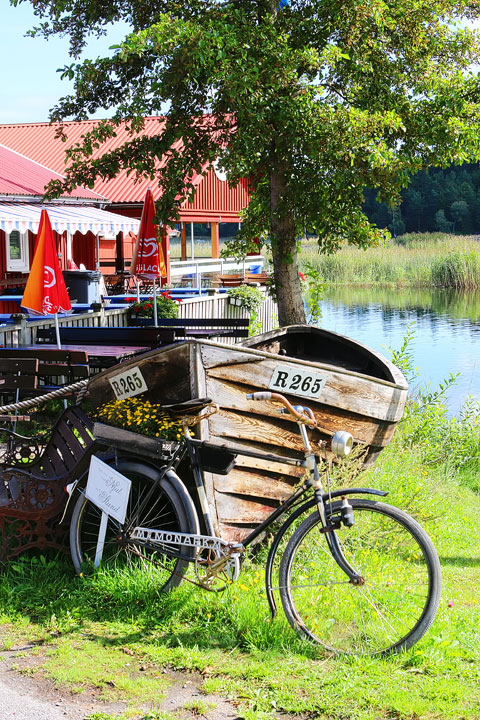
[[99, 356]]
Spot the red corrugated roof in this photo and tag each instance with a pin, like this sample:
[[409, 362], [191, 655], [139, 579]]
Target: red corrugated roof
[[22, 177], [39, 142]]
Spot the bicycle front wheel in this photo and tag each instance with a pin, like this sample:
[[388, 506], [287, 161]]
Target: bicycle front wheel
[[401, 582], [156, 501]]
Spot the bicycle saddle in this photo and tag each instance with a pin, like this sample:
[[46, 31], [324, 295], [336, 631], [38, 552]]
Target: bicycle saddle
[[189, 407]]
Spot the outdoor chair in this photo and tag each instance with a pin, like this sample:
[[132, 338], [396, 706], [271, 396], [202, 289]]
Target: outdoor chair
[[33, 474]]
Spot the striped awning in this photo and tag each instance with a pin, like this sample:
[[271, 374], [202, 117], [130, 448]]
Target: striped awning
[[75, 218]]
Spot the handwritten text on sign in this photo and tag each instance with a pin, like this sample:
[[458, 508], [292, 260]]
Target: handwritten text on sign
[[108, 489]]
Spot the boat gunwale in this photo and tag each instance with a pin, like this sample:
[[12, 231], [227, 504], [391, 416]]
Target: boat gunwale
[[289, 358], [134, 360], [348, 341]]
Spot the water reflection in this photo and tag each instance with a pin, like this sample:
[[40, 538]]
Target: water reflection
[[446, 323]]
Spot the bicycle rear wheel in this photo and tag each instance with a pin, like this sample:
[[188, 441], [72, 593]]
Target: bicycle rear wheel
[[160, 503], [396, 604]]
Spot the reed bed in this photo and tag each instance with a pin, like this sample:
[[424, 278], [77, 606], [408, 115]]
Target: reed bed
[[415, 260]]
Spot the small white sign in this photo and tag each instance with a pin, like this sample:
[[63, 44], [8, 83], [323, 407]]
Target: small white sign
[[297, 381], [128, 383], [108, 489]]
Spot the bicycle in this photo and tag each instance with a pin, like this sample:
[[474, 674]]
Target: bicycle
[[356, 576]]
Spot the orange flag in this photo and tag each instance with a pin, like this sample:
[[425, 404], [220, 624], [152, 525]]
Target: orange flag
[[148, 261], [45, 291]]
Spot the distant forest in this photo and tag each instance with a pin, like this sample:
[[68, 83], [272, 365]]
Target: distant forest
[[436, 200]]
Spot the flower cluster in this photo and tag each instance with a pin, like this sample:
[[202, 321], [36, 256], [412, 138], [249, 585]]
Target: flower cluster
[[140, 416], [167, 307]]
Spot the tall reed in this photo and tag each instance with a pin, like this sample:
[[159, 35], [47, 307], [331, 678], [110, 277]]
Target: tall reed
[[421, 260]]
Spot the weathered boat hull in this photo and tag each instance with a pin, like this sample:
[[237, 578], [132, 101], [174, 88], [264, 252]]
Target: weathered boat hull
[[367, 406]]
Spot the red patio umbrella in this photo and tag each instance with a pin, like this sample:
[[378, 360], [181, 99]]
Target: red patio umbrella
[[148, 261], [45, 291]]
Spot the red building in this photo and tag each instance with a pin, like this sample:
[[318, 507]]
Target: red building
[[77, 220], [213, 215]]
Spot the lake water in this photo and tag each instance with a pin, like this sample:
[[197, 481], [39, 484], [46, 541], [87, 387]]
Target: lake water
[[446, 327]]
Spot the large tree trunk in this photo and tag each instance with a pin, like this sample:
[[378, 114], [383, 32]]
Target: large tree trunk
[[284, 252]]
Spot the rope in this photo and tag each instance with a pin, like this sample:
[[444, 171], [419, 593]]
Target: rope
[[81, 386]]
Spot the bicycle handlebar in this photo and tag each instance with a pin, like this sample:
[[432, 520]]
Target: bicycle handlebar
[[299, 412]]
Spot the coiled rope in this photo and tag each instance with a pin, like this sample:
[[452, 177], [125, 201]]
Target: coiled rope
[[80, 386]]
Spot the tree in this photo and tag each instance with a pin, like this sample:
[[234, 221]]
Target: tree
[[459, 211], [442, 223], [312, 101]]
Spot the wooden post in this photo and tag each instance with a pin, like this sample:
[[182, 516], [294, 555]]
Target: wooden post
[[215, 240], [183, 241]]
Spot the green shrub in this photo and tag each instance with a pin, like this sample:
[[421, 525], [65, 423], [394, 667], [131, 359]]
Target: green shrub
[[251, 298]]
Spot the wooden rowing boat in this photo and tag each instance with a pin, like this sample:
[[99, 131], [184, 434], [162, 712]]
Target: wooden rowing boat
[[347, 385]]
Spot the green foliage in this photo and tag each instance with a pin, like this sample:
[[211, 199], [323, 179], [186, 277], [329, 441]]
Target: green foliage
[[427, 426], [311, 102], [167, 307], [312, 291], [140, 416], [251, 298]]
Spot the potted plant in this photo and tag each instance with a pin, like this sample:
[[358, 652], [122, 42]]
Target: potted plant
[[250, 298], [167, 307]]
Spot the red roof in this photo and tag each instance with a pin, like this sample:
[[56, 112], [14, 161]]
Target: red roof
[[22, 177], [39, 141]]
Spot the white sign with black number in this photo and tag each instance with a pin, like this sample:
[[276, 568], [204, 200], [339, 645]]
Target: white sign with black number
[[128, 383], [297, 381]]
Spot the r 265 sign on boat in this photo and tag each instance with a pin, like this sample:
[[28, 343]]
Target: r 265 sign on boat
[[306, 383]]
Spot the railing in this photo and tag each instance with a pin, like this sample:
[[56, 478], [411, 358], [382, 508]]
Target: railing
[[23, 332], [202, 266]]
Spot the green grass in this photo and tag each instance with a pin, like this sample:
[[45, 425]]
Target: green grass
[[422, 260], [116, 633]]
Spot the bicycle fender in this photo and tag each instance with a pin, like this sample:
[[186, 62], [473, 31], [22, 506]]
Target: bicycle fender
[[353, 491], [171, 477], [283, 529]]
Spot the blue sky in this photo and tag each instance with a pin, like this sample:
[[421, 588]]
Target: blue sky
[[29, 81]]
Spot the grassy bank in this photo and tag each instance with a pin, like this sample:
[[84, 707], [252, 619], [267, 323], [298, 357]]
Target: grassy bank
[[423, 260], [116, 633]]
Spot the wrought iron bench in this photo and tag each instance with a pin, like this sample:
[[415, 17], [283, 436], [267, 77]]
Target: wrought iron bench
[[33, 475]]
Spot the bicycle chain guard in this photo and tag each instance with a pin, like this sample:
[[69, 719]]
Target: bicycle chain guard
[[214, 557]]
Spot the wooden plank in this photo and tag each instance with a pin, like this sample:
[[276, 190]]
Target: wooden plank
[[276, 433], [120, 438], [233, 509], [166, 372], [233, 533], [348, 391], [241, 482], [365, 430], [250, 463], [17, 382], [17, 364]]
